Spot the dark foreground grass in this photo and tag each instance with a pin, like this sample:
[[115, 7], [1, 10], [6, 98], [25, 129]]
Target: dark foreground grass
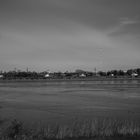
[[97, 129]]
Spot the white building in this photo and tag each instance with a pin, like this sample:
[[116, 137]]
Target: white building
[[47, 75], [134, 74], [112, 74], [82, 75], [1, 76]]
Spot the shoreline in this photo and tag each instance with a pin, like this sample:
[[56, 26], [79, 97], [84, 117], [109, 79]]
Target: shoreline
[[74, 79]]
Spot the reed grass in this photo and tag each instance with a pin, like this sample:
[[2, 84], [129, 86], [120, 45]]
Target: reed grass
[[88, 129]]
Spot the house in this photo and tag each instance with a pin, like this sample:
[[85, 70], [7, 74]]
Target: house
[[112, 75], [1, 76], [134, 74], [47, 75], [82, 75]]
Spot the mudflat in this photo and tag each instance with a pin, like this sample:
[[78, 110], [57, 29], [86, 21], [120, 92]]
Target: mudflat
[[64, 101]]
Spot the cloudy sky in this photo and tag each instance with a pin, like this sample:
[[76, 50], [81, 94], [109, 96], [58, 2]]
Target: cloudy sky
[[69, 34]]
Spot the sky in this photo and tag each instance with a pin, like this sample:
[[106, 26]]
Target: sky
[[60, 35]]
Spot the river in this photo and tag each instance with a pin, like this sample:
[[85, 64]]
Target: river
[[63, 101]]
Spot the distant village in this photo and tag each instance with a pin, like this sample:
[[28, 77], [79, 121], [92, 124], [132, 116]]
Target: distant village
[[77, 74]]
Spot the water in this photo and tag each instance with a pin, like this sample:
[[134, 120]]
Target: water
[[63, 101]]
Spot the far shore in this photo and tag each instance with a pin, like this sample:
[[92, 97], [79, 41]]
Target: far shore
[[71, 79]]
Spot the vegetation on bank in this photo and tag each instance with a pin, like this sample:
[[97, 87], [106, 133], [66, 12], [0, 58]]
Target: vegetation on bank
[[90, 129], [17, 74]]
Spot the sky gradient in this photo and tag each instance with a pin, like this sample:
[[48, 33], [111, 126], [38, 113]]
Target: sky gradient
[[69, 34]]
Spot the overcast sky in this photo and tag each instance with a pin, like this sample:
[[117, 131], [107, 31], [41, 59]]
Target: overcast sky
[[69, 34]]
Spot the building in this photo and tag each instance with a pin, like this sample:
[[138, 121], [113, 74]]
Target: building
[[82, 75], [1, 76], [134, 74], [47, 75]]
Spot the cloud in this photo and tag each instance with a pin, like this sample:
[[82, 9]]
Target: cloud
[[127, 21], [124, 26]]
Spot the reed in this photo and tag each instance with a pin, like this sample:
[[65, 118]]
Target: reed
[[88, 129]]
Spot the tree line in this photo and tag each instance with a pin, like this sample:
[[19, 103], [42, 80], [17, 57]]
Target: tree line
[[68, 75]]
